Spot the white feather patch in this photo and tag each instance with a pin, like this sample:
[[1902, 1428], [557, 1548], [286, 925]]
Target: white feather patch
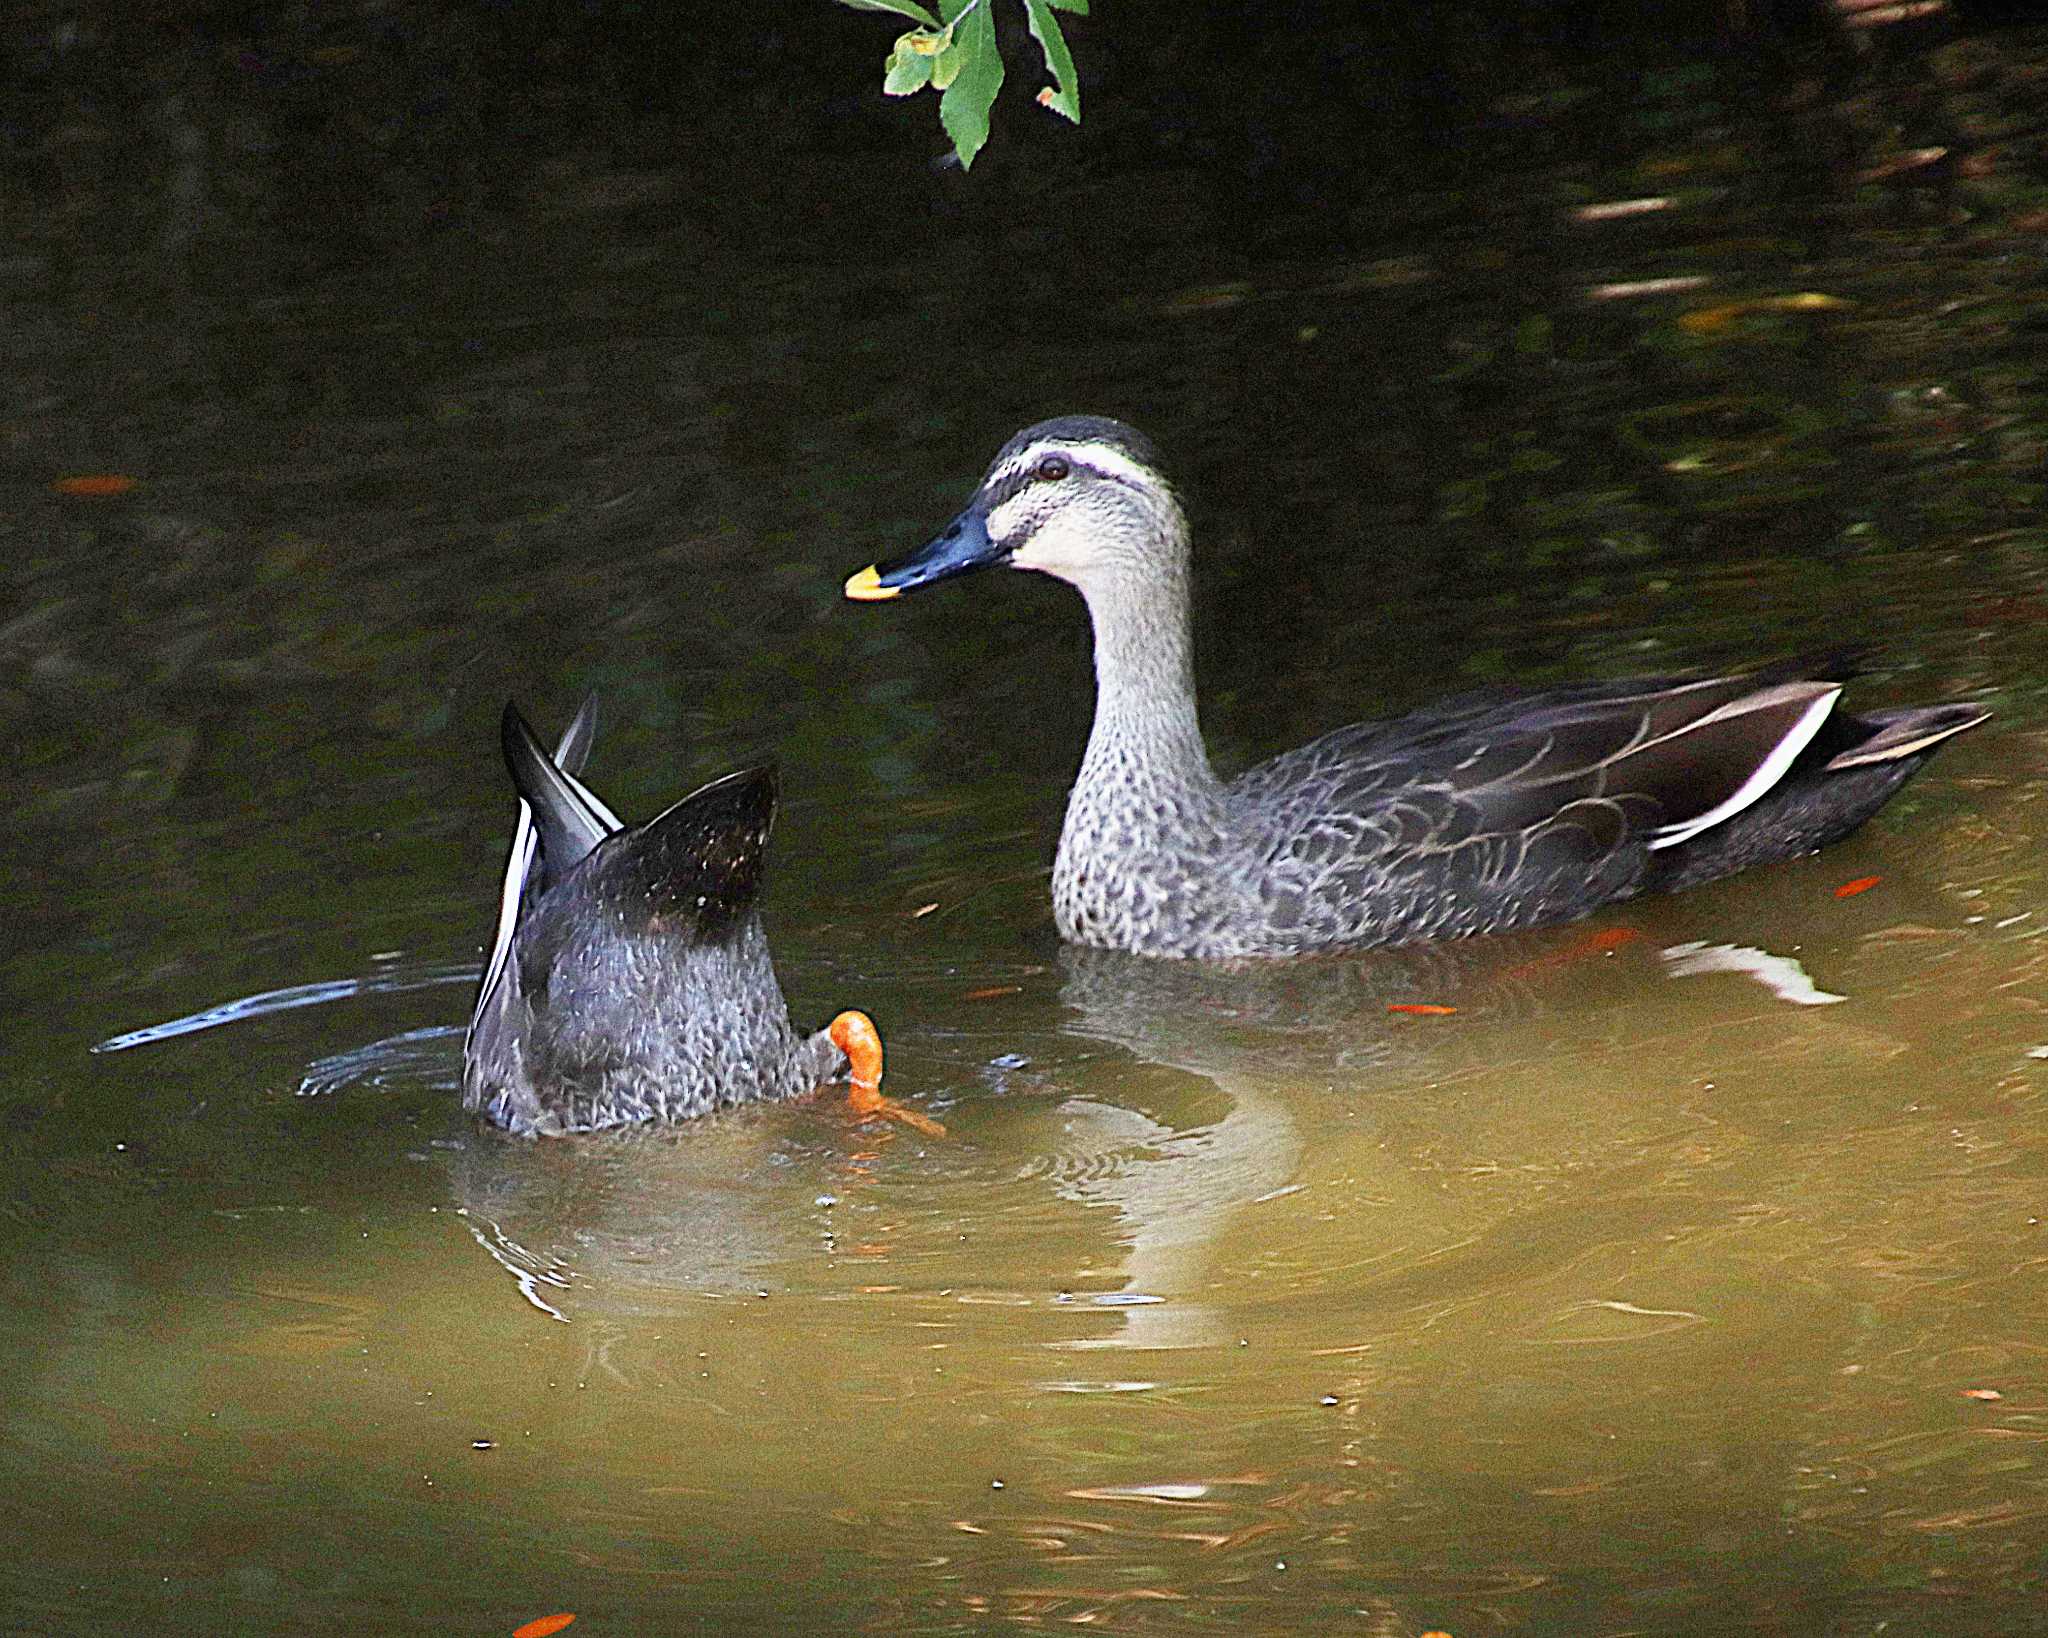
[[1767, 773]]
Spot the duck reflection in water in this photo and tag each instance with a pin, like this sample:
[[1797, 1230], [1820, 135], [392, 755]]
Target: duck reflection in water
[[1190, 1167]]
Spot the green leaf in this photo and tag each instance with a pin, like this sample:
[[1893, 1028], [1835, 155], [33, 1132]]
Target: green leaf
[[1078, 7], [946, 66], [1063, 96], [963, 110], [907, 72], [902, 8]]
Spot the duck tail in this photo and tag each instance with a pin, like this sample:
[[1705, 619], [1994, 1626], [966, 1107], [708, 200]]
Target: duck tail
[[1909, 731]]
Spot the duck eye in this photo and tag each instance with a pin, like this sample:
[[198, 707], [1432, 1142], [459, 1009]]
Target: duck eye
[[1052, 468]]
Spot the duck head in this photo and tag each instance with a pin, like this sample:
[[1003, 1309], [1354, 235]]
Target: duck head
[[1080, 498]]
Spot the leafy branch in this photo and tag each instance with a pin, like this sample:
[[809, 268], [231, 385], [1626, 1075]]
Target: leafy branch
[[955, 54]]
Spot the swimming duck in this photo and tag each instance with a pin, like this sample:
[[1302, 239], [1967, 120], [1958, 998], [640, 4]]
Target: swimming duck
[[1489, 811], [629, 978]]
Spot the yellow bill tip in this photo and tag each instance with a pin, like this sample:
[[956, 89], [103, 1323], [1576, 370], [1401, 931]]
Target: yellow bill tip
[[867, 587]]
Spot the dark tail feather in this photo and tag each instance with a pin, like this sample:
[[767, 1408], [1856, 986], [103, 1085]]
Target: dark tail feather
[[1867, 758], [573, 749], [568, 824], [696, 868], [1912, 730]]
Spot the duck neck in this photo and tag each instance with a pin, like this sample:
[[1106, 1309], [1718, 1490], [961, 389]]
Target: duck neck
[[1146, 742]]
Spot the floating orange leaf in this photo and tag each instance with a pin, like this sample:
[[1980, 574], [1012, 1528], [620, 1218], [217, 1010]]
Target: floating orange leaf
[[94, 486], [541, 1627], [1862, 884], [1422, 1008]]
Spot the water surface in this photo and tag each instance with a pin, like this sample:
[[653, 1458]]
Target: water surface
[[1622, 1298]]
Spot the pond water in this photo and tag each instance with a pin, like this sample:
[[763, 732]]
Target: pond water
[[1636, 1295]]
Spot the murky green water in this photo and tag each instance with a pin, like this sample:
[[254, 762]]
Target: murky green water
[[1619, 1300]]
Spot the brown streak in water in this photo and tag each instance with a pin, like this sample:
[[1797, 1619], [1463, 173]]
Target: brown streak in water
[[1252, 1532], [1994, 1517], [1592, 1487], [634, 1567]]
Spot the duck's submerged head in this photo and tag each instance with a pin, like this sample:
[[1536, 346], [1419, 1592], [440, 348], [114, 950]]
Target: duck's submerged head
[[1080, 497]]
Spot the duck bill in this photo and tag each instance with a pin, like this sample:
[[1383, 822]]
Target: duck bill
[[963, 545]]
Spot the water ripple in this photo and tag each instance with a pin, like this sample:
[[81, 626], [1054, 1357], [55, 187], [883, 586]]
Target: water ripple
[[391, 981]]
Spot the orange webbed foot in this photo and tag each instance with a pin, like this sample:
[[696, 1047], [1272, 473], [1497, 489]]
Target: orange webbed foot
[[854, 1034]]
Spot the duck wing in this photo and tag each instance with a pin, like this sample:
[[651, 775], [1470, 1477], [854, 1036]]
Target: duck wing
[[1492, 810]]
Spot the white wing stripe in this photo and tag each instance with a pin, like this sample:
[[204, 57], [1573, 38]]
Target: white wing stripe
[[1768, 773], [606, 817], [517, 864]]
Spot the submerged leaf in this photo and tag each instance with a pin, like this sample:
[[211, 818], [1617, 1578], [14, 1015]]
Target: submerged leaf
[[1604, 942], [1707, 321], [95, 486]]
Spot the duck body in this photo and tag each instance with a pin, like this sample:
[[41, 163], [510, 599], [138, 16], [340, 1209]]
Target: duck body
[[630, 979], [1491, 811]]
